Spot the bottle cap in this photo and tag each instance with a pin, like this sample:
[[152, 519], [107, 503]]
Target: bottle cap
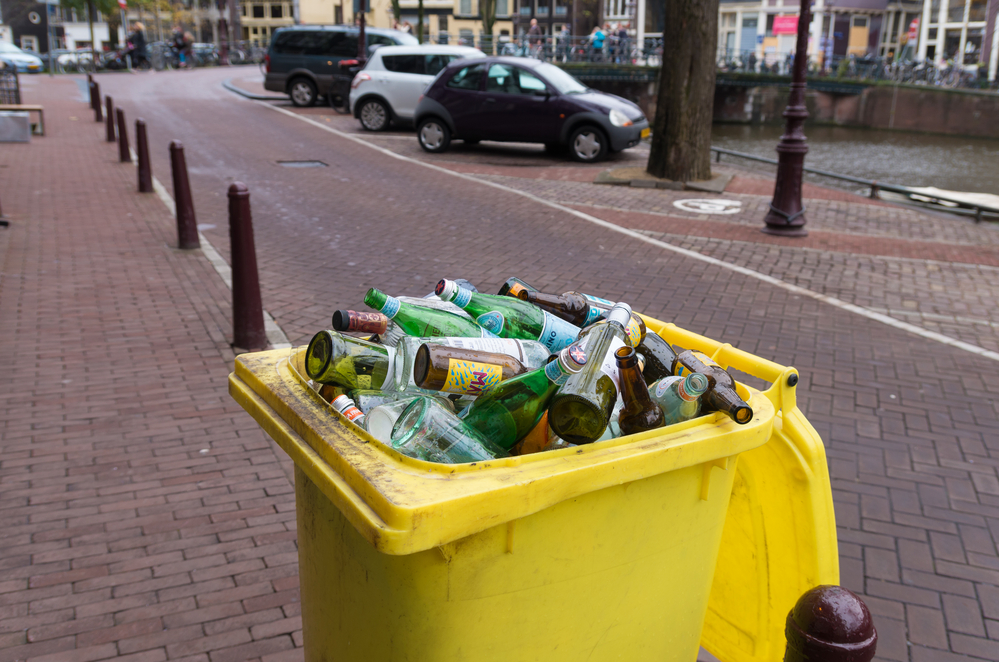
[[346, 406], [446, 289], [620, 313], [573, 357], [350, 320]]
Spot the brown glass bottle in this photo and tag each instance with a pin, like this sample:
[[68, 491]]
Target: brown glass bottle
[[658, 357], [571, 306], [351, 320], [640, 412], [513, 286], [460, 370], [721, 395]]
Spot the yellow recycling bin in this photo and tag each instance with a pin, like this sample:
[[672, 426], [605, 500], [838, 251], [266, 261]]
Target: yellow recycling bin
[[600, 552]]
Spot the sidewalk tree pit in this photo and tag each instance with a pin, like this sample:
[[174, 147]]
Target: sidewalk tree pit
[[462, 376]]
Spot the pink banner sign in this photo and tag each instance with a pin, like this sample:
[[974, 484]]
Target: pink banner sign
[[785, 25]]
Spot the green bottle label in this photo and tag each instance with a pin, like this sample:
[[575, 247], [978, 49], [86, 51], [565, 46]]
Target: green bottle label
[[391, 307]]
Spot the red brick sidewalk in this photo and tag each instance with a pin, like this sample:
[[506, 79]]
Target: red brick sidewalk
[[143, 515]]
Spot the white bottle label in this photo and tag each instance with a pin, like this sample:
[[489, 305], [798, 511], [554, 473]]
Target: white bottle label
[[557, 334], [506, 346], [663, 385]]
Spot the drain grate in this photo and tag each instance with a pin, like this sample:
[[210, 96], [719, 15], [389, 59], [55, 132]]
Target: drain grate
[[302, 164]]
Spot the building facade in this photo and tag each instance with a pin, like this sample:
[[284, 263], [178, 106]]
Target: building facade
[[961, 31]]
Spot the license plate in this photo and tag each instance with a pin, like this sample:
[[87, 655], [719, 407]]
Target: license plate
[[645, 133]]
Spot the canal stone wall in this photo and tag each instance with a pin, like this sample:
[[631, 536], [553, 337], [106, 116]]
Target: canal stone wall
[[758, 99]]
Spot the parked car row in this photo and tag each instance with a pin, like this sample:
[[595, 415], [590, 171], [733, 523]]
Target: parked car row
[[453, 92], [23, 61]]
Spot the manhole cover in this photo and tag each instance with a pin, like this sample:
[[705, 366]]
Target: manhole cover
[[302, 164]]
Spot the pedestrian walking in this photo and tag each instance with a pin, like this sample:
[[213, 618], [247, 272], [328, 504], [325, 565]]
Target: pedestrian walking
[[138, 49], [596, 39], [534, 37]]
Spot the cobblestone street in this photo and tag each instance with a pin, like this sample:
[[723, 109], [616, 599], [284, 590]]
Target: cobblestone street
[[145, 515]]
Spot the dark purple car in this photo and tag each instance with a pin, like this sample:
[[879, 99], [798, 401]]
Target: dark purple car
[[517, 99]]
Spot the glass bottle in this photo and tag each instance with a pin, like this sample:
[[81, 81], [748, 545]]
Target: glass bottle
[[640, 412], [423, 322], [512, 287], [580, 411], [332, 358], [367, 399], [635, 330], [428, 431], [530, 353], [360, 322], [679, 397], [394, 334], [721, 395], [379, 421], [658, 357], [507, 413], [510, 318], [346, 406], [579, 309], [466, 371]]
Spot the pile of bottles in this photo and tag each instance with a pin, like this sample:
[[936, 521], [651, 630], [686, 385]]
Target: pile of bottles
[[461, 376]]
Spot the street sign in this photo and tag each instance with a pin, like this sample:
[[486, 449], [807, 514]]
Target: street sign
[[785, 25], [122, 4]]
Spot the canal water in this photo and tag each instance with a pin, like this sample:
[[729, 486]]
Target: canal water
[[908, 159]]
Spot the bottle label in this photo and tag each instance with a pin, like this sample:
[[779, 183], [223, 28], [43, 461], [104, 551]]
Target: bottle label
[[391, 307], [553, 371], [462, 297], [352, 413], [366, 322], [663, 385], [683, 371], [557, 334], [634, 332], [492, 321], [593, 315], [506, 346], [598, 302], [471, 377]]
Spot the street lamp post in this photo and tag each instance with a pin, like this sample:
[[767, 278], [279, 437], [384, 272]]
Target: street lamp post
[[786, 217]]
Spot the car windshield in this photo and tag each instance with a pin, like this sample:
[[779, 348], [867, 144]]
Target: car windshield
[[8, 48], [560, 80]]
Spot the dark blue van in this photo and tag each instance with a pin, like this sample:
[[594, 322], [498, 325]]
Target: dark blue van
[[302, 59]]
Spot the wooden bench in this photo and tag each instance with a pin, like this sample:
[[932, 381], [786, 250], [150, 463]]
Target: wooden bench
[[38, 128]]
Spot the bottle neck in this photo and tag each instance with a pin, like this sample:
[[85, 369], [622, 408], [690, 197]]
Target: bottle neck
[[633, 388]]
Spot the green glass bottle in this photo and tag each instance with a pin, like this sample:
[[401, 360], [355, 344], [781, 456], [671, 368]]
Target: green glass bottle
[[332, 358], [510, 318], [423, 322], [507, 413], [581, 410], [679, 397]]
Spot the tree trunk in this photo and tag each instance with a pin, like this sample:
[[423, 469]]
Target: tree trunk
[[419, 21], [681, 131], [93, 42]]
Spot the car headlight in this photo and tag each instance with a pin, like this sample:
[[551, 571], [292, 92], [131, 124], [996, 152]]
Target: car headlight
[[618, 118]]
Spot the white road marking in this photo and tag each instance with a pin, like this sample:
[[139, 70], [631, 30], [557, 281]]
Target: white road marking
[[832, 301]]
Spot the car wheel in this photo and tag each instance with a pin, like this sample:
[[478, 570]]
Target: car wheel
[[302, 92], [587, 144], [374, 115], [434, 135]]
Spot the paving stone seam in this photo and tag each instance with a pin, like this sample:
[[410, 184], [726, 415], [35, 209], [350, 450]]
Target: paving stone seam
[[837, 303], [275, 334]]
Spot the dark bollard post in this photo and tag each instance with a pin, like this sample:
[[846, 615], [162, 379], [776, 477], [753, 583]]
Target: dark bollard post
[[123, 155], [142, 151], [109, 123], [187, 225], [98, 115], [830, 624], [247, 310], [92, 86], [3, 219]]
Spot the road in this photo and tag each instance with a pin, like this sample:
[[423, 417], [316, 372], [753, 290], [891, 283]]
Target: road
[[908, 417]]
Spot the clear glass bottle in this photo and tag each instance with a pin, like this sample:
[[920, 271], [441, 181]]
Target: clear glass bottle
[[679, 397], [581, 410], [428, 431], [510, 318]]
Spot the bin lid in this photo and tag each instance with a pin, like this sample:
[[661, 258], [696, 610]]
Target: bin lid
[[402, 505]]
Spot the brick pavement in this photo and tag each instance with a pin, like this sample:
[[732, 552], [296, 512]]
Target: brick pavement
[[910, 424], [144, 517]]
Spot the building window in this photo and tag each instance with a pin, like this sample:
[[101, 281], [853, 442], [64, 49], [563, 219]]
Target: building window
[[955, 11], [258, 11], [502, 7], [466, 7], [29, 43], [977, 11], [934, 12], [973, 46], [277, 11]]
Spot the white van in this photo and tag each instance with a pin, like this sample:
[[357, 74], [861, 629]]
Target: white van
[[391, 83]]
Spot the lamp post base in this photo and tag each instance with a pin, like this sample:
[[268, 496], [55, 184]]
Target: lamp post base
[[780, 224]]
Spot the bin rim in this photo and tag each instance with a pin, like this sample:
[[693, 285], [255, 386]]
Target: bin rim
[[404, 505]]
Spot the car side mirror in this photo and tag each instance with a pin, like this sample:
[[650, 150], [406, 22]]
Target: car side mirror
[[542, 93]]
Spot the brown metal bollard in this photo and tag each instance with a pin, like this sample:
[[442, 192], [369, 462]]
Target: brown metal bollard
[[187, 224], [123, 155], [109, 123], [142, 150], [98, 114], [247, 310], [92, 87], [830, 624]]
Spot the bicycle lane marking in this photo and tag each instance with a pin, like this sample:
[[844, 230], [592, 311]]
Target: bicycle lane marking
[[770, 280]]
